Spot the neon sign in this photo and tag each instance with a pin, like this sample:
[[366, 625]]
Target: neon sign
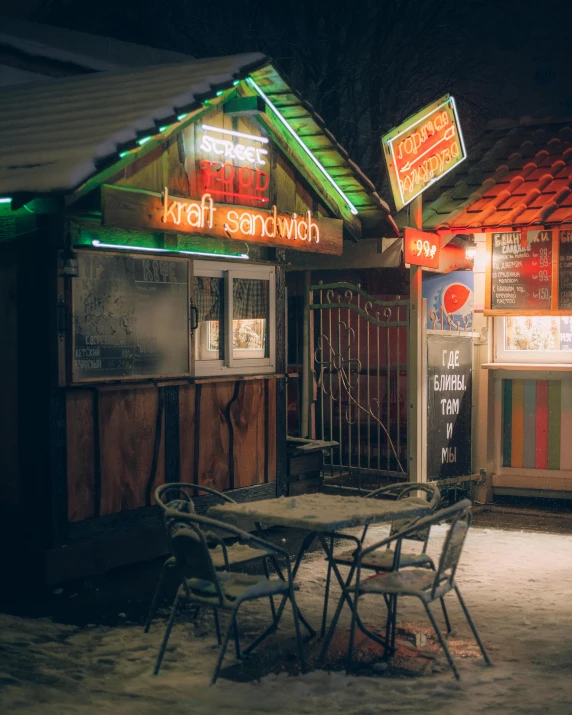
[[229, 150], [222, 179], [421, 248], [243, 224], [423, 149]]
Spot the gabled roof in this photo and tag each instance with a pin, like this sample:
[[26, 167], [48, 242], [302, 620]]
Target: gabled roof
[[519, 175], [81, 49], [311, 128], [57, 136]]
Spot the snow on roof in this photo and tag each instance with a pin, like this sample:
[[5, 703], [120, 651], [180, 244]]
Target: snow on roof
[[91, 52], [57, 135]]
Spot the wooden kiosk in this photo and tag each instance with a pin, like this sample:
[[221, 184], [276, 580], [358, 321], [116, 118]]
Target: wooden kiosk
[[145, 222]]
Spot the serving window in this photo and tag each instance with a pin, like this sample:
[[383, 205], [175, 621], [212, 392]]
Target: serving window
[[235, 312], [534, 339]]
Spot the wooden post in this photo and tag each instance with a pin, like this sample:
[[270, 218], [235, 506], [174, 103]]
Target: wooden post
[[306, 373], [415, 376]]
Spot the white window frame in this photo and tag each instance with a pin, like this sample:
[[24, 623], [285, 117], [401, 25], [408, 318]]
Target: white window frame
[[233, 364], [527, 357]]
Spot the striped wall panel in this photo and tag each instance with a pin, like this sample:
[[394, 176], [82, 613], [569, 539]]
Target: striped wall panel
[[537, 424]]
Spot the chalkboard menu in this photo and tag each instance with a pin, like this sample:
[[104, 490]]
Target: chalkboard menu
[[565, 270], [449, 396], [130, 317], [521, 276]]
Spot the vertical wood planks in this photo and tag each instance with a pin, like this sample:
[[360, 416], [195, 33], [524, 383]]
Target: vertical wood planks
[[517, 437], [507, 423], [80, 454], [566, 425], [529, 448], [248, 427], [270, 471], [213, 462], [554, 424], [187, 432], [127, 421], [541, 424]]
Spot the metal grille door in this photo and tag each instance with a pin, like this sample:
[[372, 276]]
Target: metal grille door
[[359, 361]]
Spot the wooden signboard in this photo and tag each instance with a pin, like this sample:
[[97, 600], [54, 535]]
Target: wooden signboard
[[130, 317], [449, 397], [128, 208], [530, 272]]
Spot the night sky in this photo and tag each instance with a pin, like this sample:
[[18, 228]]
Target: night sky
[[365, 66]]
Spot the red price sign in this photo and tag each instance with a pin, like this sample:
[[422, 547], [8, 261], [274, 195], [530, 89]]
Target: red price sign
[[421, 248]]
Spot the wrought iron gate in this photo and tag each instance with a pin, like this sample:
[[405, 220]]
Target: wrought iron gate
[[359, 361]]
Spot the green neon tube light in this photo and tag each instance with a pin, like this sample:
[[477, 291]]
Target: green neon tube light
[[180, 117], [144, 140], [144, 249], [253, 84], [5, 200]]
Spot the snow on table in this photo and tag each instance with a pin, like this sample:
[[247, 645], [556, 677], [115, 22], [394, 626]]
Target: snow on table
[[321, 512]]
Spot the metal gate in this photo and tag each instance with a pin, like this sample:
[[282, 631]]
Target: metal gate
[[358, 355]]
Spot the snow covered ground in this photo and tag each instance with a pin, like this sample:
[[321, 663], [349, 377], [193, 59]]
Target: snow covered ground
[[518, 586]]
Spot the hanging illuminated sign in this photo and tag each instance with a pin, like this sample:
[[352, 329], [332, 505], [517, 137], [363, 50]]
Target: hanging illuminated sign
[[423, 149], [215, 141], [421, 248], [128, 208]]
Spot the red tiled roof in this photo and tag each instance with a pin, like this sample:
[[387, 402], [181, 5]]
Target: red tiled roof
[[519, 175]]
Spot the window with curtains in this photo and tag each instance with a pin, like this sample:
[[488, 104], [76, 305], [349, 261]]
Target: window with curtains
[[235, 318], [534, 339]]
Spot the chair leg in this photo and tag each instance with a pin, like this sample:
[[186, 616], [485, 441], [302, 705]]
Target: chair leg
[[222, 651], [442, 641], [472, 625], [267, 575], [167, 634], [352, 633], [236, 640], [301, 654], [446, 616], [327, 592], [156, 596], [217, 625], [393, 624], [389, 602]]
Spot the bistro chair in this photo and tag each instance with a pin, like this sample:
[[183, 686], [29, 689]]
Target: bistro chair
[[383, 560], [203, 584], [174, 498], [427, 586]]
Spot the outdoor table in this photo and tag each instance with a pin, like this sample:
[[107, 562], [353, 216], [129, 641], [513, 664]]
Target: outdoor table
[[322, 516]]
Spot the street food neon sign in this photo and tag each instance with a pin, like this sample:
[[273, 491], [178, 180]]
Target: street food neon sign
[[213, 142], [222, 179], [423, 149]]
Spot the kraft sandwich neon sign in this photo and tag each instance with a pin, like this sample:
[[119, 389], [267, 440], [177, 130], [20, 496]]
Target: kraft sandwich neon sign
[[423, 149]]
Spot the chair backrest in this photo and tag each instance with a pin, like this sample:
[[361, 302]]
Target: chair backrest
[[431, 495], [190, 548], [460, 517]]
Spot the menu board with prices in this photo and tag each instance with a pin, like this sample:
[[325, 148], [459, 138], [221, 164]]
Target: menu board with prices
[[521, 277], [565, 270]]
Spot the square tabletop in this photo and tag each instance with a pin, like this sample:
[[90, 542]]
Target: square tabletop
[[321, 512]]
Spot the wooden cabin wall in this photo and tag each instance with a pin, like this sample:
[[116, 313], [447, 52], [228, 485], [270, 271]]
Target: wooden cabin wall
[[111, 435], [9, 461]]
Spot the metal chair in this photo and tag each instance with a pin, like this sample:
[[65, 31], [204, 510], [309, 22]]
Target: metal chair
[[425, 585], [174, 497], [202, 584], [384, 560]]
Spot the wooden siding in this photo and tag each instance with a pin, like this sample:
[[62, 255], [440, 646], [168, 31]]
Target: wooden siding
[[9, 476], [111, 435]]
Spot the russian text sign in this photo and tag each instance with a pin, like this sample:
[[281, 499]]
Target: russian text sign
[[423, 149], [421, 248]]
